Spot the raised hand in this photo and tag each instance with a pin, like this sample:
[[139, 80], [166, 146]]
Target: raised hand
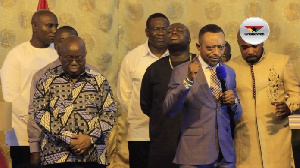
[[193, 69]]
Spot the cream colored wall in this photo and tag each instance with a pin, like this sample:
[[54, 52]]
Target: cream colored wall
[[113, 27]]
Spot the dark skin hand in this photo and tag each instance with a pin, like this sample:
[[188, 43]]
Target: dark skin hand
[[228, 97], [34, 158], [80, 143], [193, 69], [282, 109]]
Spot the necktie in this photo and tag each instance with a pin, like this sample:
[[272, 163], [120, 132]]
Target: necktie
[[214, 83], [253, 81]]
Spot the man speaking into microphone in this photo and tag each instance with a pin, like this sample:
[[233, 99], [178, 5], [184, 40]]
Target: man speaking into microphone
[[205, 139]]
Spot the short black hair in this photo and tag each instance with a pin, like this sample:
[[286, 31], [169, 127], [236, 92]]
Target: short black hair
[[39, 13], [69, 28], [155, 15], [228, 51], [212, 28]]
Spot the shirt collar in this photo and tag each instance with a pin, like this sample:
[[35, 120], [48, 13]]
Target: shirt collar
[[262, 57], [147, 52], [58, 71]]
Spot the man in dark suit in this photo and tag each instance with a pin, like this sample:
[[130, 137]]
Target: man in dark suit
[[205, 139]]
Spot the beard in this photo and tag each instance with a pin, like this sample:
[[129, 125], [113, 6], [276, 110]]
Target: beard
[[252, 59]]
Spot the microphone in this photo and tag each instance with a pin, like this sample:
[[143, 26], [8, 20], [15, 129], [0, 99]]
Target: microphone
[[221, 74]]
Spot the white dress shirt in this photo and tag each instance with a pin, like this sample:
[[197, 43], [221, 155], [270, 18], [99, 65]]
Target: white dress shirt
[[19, 66], [130, 77]]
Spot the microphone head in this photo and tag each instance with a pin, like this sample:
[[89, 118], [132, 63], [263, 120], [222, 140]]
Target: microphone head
[[221, 72]]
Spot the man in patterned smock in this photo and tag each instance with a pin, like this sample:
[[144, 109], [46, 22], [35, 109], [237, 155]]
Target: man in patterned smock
[[75, 109]]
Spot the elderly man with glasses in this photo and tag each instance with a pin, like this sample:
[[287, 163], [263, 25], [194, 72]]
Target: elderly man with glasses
[[74, 107]]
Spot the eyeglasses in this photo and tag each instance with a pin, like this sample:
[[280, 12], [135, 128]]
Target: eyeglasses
[[71, 58], [220, 47]]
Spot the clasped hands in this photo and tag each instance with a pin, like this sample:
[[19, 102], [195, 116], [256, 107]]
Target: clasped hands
[[282, 110], [80, 143]]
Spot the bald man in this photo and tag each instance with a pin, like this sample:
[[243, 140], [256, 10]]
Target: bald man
[[74, 107], [19, 66]]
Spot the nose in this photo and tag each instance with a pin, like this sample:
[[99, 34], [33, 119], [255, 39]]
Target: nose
[[162, 31], [54, 29], [216, 51], [74, 62], [174, 32], [251, 50]]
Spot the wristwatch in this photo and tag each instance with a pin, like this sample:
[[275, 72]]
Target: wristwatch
[[234, 106], [236, 101]]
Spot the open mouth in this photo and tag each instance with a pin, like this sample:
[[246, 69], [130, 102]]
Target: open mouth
[[174, 38]]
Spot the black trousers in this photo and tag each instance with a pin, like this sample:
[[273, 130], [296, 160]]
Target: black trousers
[[138, 153], [76, 165], [20, 155]]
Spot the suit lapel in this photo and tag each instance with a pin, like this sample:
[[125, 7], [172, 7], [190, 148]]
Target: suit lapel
[[201, 80]]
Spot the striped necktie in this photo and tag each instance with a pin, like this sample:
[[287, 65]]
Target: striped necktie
[[214, 83]]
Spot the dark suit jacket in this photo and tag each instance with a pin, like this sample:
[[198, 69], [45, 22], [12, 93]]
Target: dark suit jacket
[[205, 122]]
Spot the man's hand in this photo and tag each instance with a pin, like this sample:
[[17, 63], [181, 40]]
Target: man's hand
[[193, 69], [228, 97], [80, 143], [34, 158], [282, 109]]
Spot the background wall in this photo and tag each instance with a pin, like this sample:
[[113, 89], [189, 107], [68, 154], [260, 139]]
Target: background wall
[[113, 27]]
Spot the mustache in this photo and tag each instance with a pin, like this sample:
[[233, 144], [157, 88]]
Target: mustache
[[249, 58], [252, 55], [214, 56]]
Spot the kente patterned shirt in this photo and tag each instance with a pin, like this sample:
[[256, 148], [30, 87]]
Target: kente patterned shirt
[[64, 108]]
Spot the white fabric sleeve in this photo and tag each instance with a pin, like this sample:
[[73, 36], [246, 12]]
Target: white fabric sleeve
[[11, 86]]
